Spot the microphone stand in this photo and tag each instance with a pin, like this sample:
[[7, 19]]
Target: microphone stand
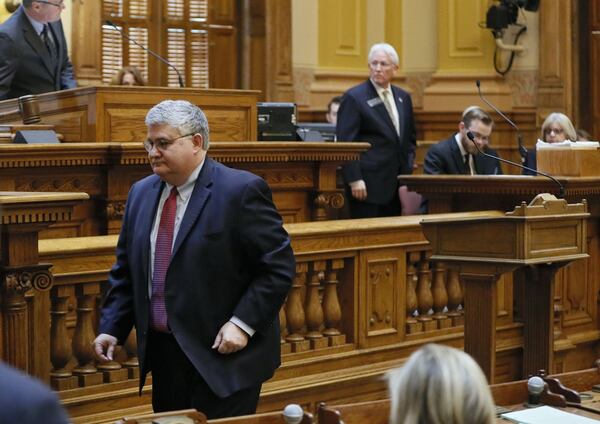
[[561, 191], [162, 59], [522, 149]]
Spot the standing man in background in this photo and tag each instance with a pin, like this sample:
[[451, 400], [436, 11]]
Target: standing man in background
[[33, 51], [381, 114], [203, 265]]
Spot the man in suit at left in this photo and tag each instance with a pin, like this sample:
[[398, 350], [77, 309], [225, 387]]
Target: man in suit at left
[[26, 400], [33, 51], [380, 114], [203, 265]]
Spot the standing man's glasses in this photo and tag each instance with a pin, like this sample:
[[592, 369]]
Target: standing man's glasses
[[59, 4], [161, 144]]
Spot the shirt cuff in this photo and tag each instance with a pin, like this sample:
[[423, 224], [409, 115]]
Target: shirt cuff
[[249, 330]]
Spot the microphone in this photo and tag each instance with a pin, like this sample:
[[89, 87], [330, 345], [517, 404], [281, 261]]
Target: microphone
[[535, 387], [522, 149], [293, 414], [159, 57], [560, 186]]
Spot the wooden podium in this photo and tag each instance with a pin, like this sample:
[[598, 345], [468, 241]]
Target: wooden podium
[[569, 162], [538, 238], [116, 113]]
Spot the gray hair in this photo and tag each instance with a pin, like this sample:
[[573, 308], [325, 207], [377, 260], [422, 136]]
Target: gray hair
[[440, 385], [181, 115], [27, 3], [386, 48], [564, 122]]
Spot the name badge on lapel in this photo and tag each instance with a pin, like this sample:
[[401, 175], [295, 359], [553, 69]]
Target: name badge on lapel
[[374, 101], [400, 100]]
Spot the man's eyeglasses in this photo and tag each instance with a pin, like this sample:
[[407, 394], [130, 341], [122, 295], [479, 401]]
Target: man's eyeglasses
[[60, 4], [161, 144], [557, 131]]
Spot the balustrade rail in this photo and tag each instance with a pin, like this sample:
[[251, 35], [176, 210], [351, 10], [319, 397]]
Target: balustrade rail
[[339, 300]]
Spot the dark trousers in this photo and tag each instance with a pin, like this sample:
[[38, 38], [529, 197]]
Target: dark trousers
[[176, 384], [360, 209]]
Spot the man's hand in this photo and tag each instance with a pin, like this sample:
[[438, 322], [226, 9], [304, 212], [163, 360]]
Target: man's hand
[[104, 346], [359, 190], [230, 339]]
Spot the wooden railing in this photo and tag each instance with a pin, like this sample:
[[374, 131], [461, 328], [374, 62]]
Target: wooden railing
[[364, 297]]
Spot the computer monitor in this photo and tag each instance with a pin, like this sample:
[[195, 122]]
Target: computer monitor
[[316, 131], [276, 121]]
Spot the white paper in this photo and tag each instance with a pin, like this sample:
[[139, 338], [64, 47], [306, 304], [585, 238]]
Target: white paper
[[567, 143], [546, 415]]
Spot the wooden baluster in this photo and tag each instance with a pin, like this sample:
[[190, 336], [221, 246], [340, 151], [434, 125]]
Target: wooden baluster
[[455, 297], [295, 311], [331, 304], [424, 296], [285, 346], [83, 336], [440, 296], [412, 325], [314, 309], [131, 361], [60, 347]]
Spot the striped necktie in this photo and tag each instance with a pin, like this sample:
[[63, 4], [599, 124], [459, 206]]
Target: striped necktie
[[48, 41], [162, 257]]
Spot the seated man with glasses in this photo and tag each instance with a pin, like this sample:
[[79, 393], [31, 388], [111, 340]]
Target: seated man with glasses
[[458, 154], [557, 127], [203, 265], [33, 51]]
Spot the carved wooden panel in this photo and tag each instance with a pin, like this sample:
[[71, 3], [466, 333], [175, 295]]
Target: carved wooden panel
[[383, 288]]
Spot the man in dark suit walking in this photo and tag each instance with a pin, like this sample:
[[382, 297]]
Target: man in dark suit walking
[[25, 400], [203, 265], [33, 51], [458, 155], [381, 114]]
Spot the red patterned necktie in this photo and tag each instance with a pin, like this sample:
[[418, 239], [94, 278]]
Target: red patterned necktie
[[162, 256]]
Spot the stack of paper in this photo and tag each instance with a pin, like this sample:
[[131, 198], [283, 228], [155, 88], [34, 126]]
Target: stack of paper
[[547, 415]]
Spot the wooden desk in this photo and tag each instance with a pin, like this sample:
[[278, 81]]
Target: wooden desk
[[576, 287], [301, 175], [116, 113]]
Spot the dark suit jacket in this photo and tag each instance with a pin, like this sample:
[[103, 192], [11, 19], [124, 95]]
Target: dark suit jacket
[[231, 257], [445, 158], [25, 64], [389, 154], [25, 400], [530, 162]]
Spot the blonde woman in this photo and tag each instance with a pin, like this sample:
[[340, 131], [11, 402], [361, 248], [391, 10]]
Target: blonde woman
[[440, 385], [558, 127]]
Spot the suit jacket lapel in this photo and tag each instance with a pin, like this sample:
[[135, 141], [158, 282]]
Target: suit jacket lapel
[[399, 108], [146, 222], [36, 43], [458, 158], [200, 195], [380, 108]]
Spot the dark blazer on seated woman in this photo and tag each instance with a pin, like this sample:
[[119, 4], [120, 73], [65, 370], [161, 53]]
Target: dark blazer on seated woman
[[530, 162]]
